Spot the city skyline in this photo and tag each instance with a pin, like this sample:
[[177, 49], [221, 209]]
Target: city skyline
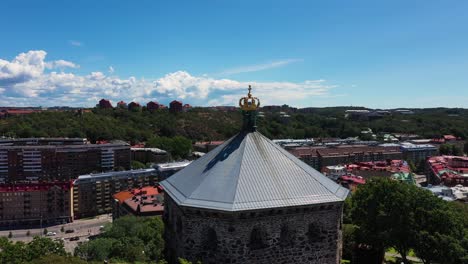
[[377, 55]]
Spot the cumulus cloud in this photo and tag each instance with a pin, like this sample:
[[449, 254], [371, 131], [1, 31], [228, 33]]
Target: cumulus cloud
[[29, 79], [61, 64]]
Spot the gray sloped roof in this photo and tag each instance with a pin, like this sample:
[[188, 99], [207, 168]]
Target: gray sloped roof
[[250, 172]]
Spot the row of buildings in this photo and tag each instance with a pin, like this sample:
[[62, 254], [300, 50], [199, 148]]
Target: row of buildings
[[322, 156], [447, 170], [174, 106], [88, 195]]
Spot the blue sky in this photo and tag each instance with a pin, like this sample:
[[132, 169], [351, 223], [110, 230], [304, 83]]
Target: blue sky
[[380, 54]]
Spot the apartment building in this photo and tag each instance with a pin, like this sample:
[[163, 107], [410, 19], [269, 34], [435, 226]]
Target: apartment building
[[57, 162], [92, 193], [35, 204]]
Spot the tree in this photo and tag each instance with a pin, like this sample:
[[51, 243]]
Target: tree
[[57, 259], [45, 231], [391, 214], [42, 246], [28, 233], [129, 239], [10, 235], [62, 229], [137, 165]]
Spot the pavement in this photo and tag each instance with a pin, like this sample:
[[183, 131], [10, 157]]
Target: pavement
[[82, 228]]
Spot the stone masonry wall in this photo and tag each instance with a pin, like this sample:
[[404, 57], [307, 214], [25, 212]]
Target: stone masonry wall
[[307, 234]]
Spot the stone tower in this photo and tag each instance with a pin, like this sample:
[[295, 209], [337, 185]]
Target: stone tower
[[250, 201]]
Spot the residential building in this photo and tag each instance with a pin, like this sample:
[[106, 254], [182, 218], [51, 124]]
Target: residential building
[[351, 182], [105, 104], [29, 163], [456, 193], [417, 153], [152, 106], [122, 104], [92, 193], [250, 201], [175, 106], [448, 170], [150, 155], [145, 201], [406, 177], [383, 168], [166, 170], [187, 107], [351, 154], [35, 204], [42, 141], [206, 146], [134, 106]]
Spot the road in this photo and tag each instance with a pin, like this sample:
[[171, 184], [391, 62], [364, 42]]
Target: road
[[83, 228]]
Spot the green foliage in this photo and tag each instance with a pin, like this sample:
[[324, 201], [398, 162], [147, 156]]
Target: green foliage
[[137, 165], [450, 149], [405, 217], [129, 239], [45, 231], [21, 252], [204, 125], [57, 259], [10, 235], [178, 146]]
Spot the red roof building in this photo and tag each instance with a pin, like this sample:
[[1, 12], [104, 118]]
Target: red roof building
[[187, 107], [175, 106], [134, 106], [122, 104], [145, 201], [448, 170], [105, 104], [152, 106]]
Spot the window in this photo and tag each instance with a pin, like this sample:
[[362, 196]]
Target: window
[[286, 236], [314, 233], [211, 239], [258, 238]]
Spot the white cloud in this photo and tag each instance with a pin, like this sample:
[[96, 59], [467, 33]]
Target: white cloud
[[23, 67], [26, 81], [259, 67], [75, 43], [61, 64], [111, 70]]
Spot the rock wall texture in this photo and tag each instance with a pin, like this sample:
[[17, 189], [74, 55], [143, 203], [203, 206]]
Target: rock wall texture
[[306, 234]]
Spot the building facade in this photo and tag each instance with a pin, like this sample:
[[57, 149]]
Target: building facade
[[35, 204], [92, 193], [175, 106], [146, 201], [31, 163]]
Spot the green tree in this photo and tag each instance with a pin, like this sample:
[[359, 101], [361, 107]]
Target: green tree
[[137, 165], [45, 231], [10, 235], [42, 246], [402, 216]]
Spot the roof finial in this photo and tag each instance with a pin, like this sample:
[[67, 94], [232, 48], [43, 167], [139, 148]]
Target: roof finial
[[249, 103]]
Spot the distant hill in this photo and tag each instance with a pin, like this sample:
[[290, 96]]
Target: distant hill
[[208, 124]]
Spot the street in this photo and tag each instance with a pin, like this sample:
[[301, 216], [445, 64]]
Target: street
[[82, 228]]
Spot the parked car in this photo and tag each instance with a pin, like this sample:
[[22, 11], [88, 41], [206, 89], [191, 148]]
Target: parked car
[[51, 234], [74, 238], [68, 231]]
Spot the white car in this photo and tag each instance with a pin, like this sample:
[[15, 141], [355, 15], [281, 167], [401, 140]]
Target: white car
[[51, 234]]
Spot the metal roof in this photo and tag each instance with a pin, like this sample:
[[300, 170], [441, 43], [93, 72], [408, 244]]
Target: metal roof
[[250, 172]]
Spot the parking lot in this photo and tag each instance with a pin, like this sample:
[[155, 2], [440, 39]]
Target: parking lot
[[82, 229]]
